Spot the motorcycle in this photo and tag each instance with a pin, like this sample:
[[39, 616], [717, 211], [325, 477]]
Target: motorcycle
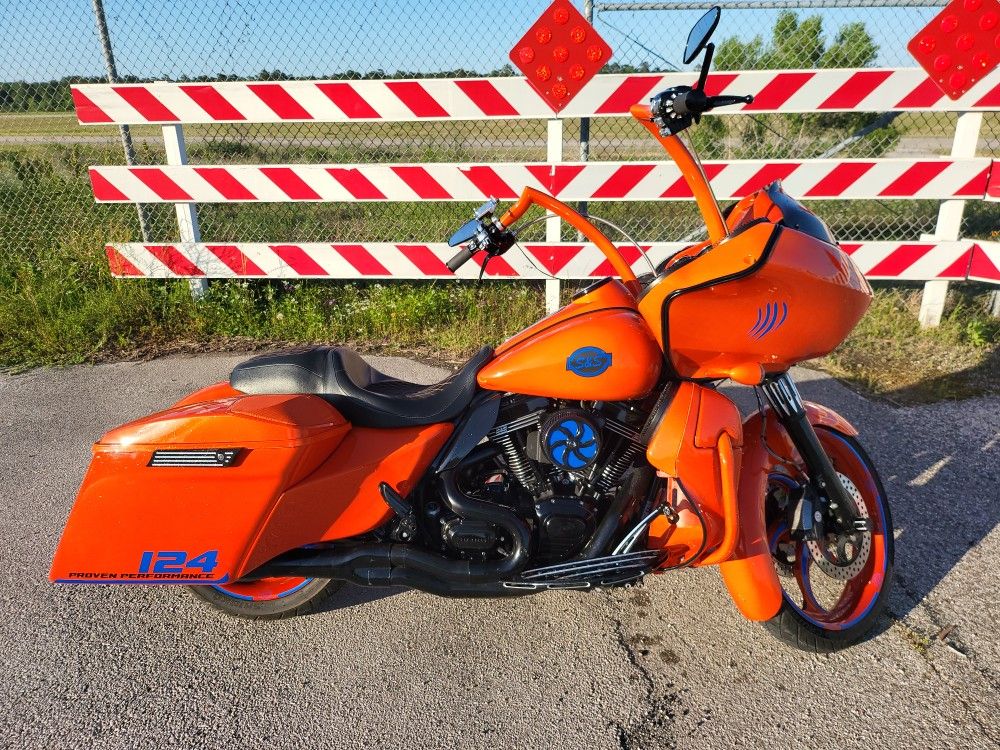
[[587, 451]]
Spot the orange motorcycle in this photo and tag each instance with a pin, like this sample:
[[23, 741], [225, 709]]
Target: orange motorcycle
[[587, 451]]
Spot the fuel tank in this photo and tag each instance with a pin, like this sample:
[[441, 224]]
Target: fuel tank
[[596, 348]]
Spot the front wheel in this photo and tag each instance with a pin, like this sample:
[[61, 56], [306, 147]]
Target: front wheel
[[823, 608], [269, 598]]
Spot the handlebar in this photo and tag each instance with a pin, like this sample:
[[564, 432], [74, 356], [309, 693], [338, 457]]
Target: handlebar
[[677, 108], [463, 256], [490, 236], [670, 112], [494, 237], [726, 100]]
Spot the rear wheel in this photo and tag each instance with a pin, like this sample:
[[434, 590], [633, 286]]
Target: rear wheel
[[269, 598], [825, 608]]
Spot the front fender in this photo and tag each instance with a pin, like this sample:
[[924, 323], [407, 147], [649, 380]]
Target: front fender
[[749, 574]]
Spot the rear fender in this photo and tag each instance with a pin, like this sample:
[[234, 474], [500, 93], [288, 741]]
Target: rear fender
[[190, 521], [749, 574]]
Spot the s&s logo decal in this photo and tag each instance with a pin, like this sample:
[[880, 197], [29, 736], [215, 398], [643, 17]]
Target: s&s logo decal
[[588, 361]]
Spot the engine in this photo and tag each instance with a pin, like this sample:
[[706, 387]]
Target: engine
[[555, 463]]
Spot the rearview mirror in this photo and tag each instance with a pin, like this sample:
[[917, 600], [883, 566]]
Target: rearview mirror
[[701, 32], [464, 233], [470, 228]]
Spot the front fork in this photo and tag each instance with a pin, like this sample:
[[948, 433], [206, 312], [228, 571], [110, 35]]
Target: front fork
[[828, 492]]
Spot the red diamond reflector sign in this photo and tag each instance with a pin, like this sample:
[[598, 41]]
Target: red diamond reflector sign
[[560, 53], [960, 45]]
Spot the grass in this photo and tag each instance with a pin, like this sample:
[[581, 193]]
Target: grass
[[612, 138], [890, 356], [56, 124], [68, 310], [60, 306], [64, 308]]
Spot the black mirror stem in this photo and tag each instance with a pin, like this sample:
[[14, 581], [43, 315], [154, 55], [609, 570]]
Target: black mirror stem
[[706, 65]]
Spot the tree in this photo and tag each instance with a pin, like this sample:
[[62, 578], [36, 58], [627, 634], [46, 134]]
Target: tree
[[795, 44]]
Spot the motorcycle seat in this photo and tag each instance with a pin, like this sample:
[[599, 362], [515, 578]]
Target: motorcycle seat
[[365, 396]]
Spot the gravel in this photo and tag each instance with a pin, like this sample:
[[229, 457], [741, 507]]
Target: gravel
[[667, 664]]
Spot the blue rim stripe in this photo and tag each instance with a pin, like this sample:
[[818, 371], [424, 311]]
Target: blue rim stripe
[[885, 558], [292, 591], [130, 582], [251, 599], [231, 594]]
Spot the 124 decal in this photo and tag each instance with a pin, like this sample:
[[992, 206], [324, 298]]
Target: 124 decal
[[177, 561]]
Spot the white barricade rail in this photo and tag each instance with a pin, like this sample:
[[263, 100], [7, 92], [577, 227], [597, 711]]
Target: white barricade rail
[[935, 259], [867, 90], [904, 261], [591, 181]]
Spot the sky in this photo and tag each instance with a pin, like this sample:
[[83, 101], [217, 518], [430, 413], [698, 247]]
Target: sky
[[47, 39]]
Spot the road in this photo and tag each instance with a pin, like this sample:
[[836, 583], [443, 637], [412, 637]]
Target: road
[[907, 147], [668, 664]]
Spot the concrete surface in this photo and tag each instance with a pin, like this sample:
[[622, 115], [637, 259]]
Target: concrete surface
[[669, 664]]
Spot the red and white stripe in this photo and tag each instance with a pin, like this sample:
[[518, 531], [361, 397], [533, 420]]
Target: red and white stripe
[[594, 181], [912, 261], [993, 186], [852, 90], [375, 260], [369, 260], [985, 264]]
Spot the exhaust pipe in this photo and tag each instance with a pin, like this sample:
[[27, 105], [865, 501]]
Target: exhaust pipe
[[620, 510], [405, 565]]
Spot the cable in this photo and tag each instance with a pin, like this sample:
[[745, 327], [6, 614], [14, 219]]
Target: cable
[[763, 429], [589, 217], [640, 45], [704, 529], [629, 237], [524, 252]]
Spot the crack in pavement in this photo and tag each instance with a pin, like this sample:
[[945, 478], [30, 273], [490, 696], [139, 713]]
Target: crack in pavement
[[941, 622], [959, 692], [988, 730], [656, 727]]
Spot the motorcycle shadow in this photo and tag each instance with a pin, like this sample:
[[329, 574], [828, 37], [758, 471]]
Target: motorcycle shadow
[[354, 596]]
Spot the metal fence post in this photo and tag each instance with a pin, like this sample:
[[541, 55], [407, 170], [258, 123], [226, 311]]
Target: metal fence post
[[588, 13], [126, 136], [187, 213], [553, 227], [949, 222]]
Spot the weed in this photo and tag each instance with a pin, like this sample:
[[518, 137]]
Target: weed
[[890, 355], [59, 304]]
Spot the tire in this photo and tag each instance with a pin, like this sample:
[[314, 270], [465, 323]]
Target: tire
[[847, 621], [269, 598]]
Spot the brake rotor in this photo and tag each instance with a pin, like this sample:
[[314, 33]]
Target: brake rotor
[[846, 558]]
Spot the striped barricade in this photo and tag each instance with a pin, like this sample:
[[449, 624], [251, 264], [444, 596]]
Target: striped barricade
[[904, 261], [796, 91], [959, 177], [938, 179]]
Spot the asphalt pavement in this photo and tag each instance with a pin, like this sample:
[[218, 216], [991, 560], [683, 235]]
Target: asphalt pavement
[[668, 664]]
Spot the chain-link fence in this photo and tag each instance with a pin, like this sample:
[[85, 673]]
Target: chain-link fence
[[45, 199]]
